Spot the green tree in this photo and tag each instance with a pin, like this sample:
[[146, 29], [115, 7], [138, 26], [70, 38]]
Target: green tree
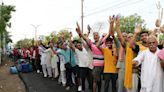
[[76, 38], [25, 43], [161, 37], [5, 16], [64, 33], [127, 24]]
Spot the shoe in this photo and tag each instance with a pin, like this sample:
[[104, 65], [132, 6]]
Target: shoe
[[38, 71], [67, 88], [64, 85], [79, 88], [45, 76]]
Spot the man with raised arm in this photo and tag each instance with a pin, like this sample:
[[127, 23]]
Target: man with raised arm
[[98, 58], [83, 61], [131, 73], [151, 70], [110, 59]]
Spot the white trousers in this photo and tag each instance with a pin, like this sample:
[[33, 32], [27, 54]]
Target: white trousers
[[62, 77], [47, 70], [55, 72]]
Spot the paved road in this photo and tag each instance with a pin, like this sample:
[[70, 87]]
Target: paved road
[[36, 83]]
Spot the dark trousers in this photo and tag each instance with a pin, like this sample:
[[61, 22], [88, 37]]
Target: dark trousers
[[33, 64], [38, 63], [58, 65], [139, 84], [75, 71], [85, 73], [110, 77], [69, 77]]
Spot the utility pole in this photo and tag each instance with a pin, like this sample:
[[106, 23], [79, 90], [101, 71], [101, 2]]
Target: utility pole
[[160, 16], [35, 27], [82, 15]]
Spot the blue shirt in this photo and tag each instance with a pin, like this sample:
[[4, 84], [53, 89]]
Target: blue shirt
[[66, 54]]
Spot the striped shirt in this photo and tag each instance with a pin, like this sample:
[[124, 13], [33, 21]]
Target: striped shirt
[[98, 58]]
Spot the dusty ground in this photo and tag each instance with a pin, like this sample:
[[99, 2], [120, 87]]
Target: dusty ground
[[9, 82]]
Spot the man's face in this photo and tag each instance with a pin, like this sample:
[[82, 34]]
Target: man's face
[[79, 46], [96, 36], [144, 37], [64, 46], [109, 44], [152, 42], [129, 37], [124, 35], [75, 44]]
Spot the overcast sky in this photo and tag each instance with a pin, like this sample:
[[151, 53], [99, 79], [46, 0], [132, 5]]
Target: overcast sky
[[53, 15]]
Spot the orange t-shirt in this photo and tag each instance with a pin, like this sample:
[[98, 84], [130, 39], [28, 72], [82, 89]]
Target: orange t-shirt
[[110, 60]]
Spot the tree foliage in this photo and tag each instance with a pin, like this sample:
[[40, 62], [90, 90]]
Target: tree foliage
[[25, 43], [127, 24], [5, 16], [54, 37]]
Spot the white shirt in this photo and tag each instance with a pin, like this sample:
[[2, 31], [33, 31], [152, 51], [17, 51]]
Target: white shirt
[[83, 58], [151, 71], [89, 52]]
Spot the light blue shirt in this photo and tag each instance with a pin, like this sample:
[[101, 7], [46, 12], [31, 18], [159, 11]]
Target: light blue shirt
[[66, 54]]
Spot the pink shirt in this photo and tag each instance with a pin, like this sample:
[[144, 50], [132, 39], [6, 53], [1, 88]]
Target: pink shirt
[[98, 58]]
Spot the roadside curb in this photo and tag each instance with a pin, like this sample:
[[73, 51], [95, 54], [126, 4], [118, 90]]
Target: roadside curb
[[26, 87]]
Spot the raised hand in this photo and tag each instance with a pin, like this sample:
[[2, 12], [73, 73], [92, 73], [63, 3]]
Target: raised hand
[[117, 22], [78, 29], [111, 20], [70, 35], [157, 23], [63, 35], [89, 28], [137, 29]]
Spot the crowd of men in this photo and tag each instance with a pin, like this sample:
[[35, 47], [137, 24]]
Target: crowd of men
[[129, 65]]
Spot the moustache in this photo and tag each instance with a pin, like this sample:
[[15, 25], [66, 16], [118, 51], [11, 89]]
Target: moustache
[[152, 46]]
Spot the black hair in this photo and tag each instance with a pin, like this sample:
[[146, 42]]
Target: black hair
[[142, 32], [109, 38], [76, 41]]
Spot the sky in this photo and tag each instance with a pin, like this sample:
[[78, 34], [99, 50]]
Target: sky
[[54, 15]]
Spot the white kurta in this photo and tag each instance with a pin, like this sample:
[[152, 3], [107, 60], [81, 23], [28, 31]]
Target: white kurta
[[151, 71], [48, 57], [43, 55]]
